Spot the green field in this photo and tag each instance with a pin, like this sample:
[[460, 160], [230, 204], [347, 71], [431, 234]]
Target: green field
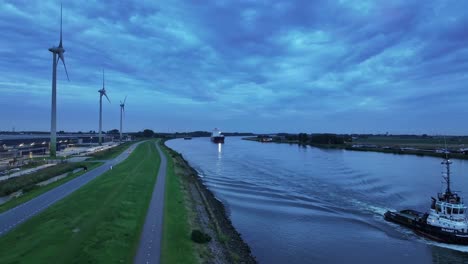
[[14, 184], [40, 190], [110, 153], [176, 245], [99, 223]]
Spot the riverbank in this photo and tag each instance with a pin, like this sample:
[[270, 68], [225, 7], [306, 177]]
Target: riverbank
[[396, 148], [209, 215]]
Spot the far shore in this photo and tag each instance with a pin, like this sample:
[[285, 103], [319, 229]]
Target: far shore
[[432, 150]]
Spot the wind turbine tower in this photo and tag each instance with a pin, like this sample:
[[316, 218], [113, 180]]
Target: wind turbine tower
[[122, 112], [57, 55], [102, 92]]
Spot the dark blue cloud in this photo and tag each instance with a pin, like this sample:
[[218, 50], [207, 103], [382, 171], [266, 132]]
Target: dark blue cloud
[[344, 66]]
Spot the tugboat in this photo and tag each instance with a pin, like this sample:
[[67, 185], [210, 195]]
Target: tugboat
[[445, 222], [216, 136]]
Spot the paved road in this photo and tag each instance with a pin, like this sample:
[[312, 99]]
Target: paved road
[[21, 213], [149, 250]]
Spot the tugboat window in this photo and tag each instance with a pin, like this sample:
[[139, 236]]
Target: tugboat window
[[455, 210], [438, 207], [449, 210]]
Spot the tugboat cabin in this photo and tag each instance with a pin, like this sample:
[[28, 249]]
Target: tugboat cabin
[[448, 212]]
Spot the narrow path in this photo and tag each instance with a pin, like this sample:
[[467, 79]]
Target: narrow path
[[15, 216], [149, 249]]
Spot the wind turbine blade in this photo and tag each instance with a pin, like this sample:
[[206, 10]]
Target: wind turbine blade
[[65, 66], [107, 97], [60, 44], [103, 79], [125, 99]]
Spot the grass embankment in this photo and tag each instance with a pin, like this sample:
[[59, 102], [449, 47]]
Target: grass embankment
[[99, 223], [176, 244], [42, 189], [33, 163], [12, 185], [110, 153], [205, 213]]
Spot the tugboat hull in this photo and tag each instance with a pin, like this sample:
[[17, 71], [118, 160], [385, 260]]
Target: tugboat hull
[[417, 221]]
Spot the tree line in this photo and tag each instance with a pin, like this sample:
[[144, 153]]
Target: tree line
[[325, 138]]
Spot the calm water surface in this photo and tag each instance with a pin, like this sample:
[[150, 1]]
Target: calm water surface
[[296, 204]]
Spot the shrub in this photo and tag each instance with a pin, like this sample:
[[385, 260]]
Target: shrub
[[30, 188], [200, 237], [12, 185]]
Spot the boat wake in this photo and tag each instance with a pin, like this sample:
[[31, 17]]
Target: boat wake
[[370, 208], [459, 248]]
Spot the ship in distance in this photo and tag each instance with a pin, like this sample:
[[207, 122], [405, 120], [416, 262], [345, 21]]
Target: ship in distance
[[217, 137]]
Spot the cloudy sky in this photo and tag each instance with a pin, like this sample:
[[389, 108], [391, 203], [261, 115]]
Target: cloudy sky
[[245, 65]]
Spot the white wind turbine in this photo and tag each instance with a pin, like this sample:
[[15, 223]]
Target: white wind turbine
[[102, 92], [57, 55], [122, 112]]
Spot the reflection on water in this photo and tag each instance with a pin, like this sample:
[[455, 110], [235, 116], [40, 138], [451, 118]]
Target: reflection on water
[[219, 165], [298, 204]]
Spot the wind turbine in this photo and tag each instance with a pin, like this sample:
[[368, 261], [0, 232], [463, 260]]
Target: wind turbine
[[122, 111], [101, 93], [56, 51]]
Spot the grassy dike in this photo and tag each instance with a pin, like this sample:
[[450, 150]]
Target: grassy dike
[[110, 153], [189, 205], [14, 184], [99, 223], [57, 170], [176, 244], [42, 189]]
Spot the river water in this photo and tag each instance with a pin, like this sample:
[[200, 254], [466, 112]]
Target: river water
[[295, 204]]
